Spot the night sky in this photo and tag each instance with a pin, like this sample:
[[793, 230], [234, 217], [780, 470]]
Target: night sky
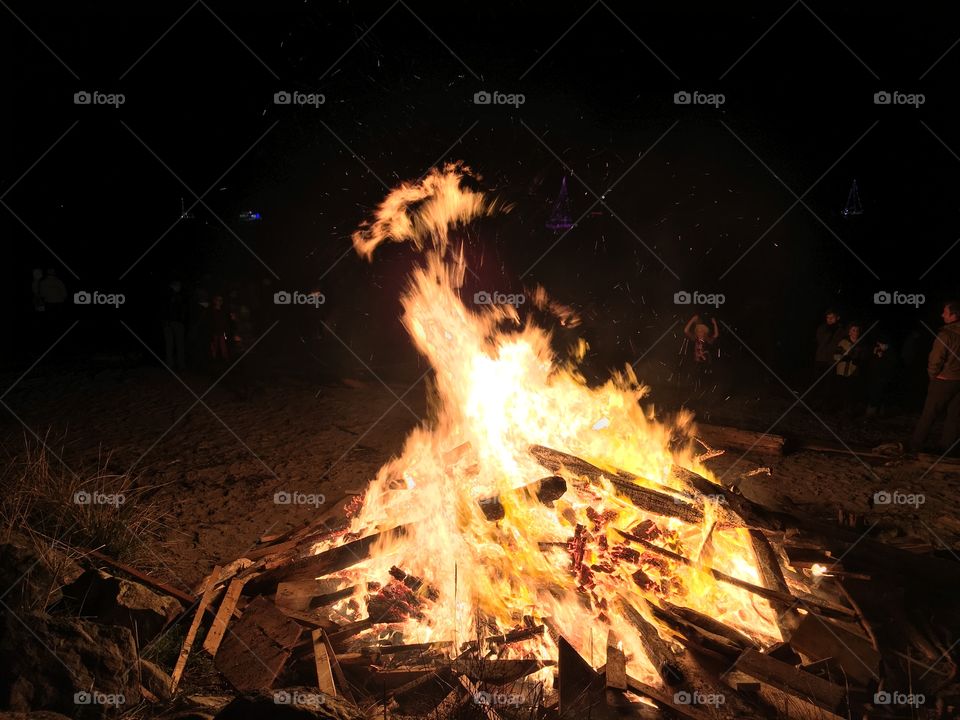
[[743, 199]]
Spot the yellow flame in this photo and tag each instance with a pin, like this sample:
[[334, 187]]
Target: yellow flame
[[500, 389]]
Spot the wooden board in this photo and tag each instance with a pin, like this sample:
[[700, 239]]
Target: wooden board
[[731, 438], [791, 680], [220, 621], [257, 648], [208, 585], [322, 661]]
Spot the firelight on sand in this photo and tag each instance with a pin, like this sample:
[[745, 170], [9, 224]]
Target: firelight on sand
[[500, 389]]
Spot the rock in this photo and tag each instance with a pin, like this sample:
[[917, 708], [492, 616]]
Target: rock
[[296, 703], [34, 579], [117, 601], [156, 680], [66, 665]]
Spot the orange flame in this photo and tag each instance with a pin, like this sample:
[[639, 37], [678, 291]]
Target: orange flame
[[500, 389]]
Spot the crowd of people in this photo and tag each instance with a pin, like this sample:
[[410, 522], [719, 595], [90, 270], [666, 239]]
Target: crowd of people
[[859, 375]]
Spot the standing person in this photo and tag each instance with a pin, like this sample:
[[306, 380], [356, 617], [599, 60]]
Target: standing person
[[943, 393], [880, 370], [220, 333], [174, 327], [701, 338], [829, 334], [849, 357]]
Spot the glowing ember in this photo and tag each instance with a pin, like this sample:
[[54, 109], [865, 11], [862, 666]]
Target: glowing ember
[[456, 574]]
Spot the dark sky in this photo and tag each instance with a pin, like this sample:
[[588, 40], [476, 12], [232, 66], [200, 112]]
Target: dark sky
[[709, 208]]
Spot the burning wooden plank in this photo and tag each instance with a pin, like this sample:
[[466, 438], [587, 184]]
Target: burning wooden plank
[[658, 650], [546, 491], [820, 606], [651, 501], [324, 563]]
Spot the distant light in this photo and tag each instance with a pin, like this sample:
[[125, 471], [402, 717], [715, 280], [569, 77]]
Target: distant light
[[249, 216]]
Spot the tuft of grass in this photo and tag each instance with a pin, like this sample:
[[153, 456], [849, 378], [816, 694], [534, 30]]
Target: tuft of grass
[[83, 509]]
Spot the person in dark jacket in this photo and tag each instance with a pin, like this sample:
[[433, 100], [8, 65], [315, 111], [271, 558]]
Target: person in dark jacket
[[174, 326], [879, 372], [943, 393], [829, 335]]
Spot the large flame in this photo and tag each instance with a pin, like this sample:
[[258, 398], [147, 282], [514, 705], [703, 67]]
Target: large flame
[[498, 390]]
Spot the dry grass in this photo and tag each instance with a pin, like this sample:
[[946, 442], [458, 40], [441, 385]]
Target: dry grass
[[68, 509]]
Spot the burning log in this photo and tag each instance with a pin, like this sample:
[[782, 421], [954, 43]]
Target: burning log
[[652, 501], [820, 606], [313, 566], [546, 491], [513, 636], [658, 650], [771, 575], [691, 618]]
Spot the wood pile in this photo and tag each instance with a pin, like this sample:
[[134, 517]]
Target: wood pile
[[866, 627]]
